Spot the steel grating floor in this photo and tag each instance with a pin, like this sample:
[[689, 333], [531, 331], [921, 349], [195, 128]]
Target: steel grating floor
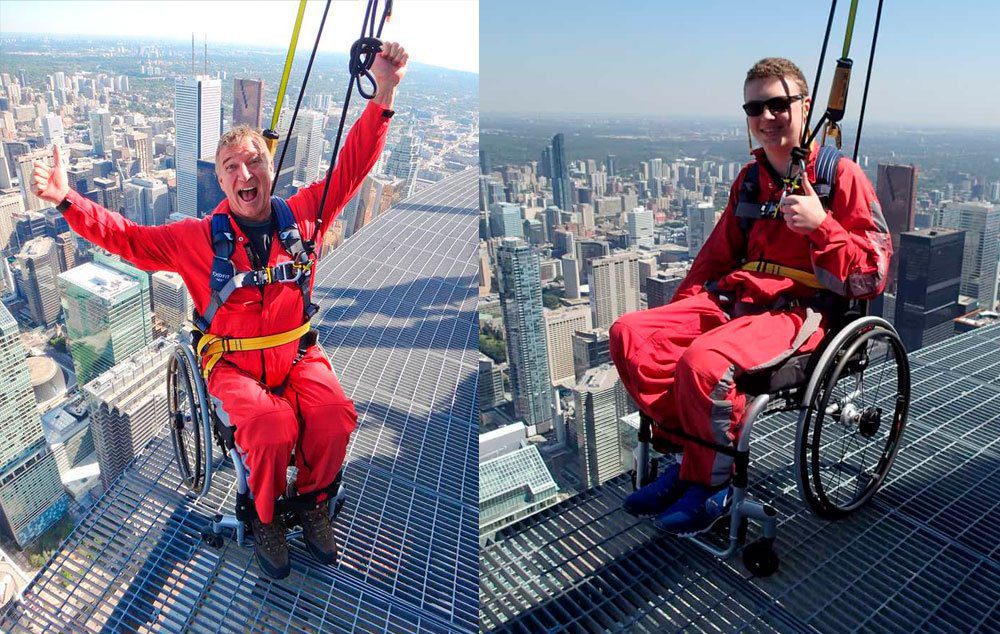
[[923, 556], [398, 322]]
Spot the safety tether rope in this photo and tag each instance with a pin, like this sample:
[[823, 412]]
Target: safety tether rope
[[270, 135], [868, 78]]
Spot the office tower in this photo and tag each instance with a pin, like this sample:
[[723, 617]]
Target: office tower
[[511, 487], [403, 162], [210, 193], [65, 252], [31, 493], [609, 163], [39, 263], [27, 226], [172, 303], [377, 194], [248, 102], [591, 348], [490, 384], [308, 126], [647, 268], [660, 288], [563, 243], [560, 326], [897, 194], [561, 183], [505, 221], [600, 400], [484, 163], [109, 194], [128, 406], [614, 287], [640, 227], [524, 325], [285, 178], [930, 276], [107, 315], [101, 132], [6, 174], [571, 276], [25, 172], [52, 129], [146, 201], [11, 205], [545, 164], [142, 149], [981, 223], [586, 252], [701, 221], [197, 104], [533, 231]]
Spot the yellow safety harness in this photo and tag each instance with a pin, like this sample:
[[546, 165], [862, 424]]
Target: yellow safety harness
[[212, 347], [804, 277]]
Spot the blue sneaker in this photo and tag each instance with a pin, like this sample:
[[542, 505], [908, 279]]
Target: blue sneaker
[[657, 495], [696, 511]]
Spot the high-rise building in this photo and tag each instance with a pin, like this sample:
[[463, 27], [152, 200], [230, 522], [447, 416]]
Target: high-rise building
[[197, 104], [128, 405], [52, 129], [600, 400], [571, 276], [562, 186], [511, 487], [897, 194], [640, 227], [660, 288], [377, 194], [609, 163], [248, 102], [308, 126], [505, 221], [701, 220], [930, 276], [39, 263], [11, 205], [142, 149], [591, 348], [614, 287], [172, 303], [101, 133], [284, 179], [560, 326], [109, 193], [524, 325], [25, 172], [586, 252], [146, 201], [210, 193], [981, 223], [31, 493], [6, 173], [490, 384], [107, 316], [484, 163], [403, 162]]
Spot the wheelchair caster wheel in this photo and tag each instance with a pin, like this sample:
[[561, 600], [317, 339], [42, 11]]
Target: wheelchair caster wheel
[[760, 558], [212, 539]]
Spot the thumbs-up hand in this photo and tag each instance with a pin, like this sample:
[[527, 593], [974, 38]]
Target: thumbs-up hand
[[50, 183], [803, 212]]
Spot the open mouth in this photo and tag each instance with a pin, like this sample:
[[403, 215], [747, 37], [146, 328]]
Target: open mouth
[[247, 194]]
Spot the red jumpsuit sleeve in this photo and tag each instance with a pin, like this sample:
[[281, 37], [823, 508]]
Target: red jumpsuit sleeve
[[149, 248], [850, 250], [361, 150], [722, 251]]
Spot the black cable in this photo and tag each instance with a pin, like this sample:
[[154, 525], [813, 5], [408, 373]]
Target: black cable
[[868, 78], [298, 102], [363, 53], [819, 70]]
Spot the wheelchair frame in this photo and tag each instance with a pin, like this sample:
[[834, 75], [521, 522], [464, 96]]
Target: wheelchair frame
[[191, 408], [842, 350]]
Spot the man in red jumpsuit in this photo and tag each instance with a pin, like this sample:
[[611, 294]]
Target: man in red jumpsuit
[[679, 361], [274, 402]]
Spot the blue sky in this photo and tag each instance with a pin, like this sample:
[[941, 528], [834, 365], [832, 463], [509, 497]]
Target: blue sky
[[937, 63], [438, 32]]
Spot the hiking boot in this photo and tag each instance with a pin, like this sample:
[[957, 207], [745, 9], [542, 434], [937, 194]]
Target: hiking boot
[[270, 548], [696, 511], [656, 496], [317, 531]]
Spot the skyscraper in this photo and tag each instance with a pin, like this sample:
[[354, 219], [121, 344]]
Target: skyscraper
[[490, 384], [591, 348], [403, 162], [614, 287], [505, 221], [600, 400], [981, 223], [210, 193], [172, 303], [52, 129], [701, 221], [513, 486], [930, 276], [640, 227], [248, 102], [107, 316], [560, 326], [197, 104], [101, 133], [25, 171], [562, 186], [571, 276], [31, 493], [39, 263], [146, 201], [661, 287], [524, 325], [142, 148], [310, 123], [897, 193]]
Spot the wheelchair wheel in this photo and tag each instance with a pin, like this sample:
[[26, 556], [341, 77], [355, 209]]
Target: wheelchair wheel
[[856, 406], [190, 421]]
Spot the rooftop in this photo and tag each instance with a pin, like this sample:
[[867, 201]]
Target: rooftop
[[512, 471], [98, 280]]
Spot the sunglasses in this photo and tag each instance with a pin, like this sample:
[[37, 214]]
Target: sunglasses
[[776, 105]]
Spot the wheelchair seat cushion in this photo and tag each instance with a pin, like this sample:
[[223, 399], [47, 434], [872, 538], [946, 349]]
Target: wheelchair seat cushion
[[789, 374]]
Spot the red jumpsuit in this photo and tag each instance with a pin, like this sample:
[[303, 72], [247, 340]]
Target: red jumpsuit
[[679, 361], [312, 412]]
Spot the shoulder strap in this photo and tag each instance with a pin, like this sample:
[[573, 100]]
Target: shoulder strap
[[291, 240], [826, 172], [747, 207]]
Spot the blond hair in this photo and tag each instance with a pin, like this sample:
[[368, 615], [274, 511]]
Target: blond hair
[[777, 68], [238, 135]]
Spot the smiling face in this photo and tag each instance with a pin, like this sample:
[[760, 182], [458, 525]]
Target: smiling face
[[245, 174], [777, 131]]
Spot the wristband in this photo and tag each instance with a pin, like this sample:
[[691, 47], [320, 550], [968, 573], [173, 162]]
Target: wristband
[[64, 205]]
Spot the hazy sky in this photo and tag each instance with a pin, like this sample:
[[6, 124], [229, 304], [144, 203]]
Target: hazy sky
[[935, 63], [439, 32]]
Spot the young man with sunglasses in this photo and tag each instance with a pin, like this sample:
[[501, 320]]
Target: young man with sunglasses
[[757, 293]]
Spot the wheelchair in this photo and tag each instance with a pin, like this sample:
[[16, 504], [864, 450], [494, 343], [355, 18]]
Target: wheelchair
[[194, 427], [852, 396]]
